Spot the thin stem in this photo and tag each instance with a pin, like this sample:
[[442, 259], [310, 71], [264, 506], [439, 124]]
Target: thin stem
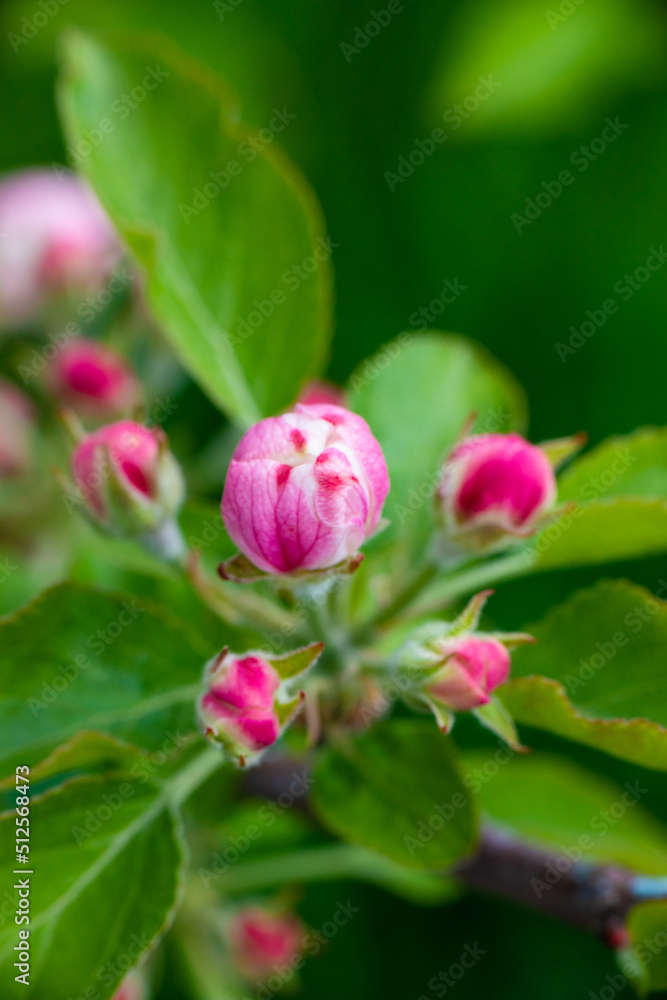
[[179, 788]]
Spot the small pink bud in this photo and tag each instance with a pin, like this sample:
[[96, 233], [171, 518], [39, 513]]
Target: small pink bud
[[262, 942], [127, 478], [305, 489], [16, 420], [133, 987], [473, 667], [92, 379], [55, 238], [316, 392], [495, 488], [238, 708]]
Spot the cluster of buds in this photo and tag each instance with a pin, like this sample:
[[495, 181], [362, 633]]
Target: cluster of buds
[[56, 240], [265, 943], [249, 700], [127, 480], [92, 380], [16, 422], [456, 668], [493, 490], [304, 490]]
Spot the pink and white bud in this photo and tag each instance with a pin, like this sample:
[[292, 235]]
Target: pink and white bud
[[304, 490], [250, 699], [17, 417], [473, 667], [263, 942], [133, 987], [91, 379], [56, 239], [127, 479], [239, 706], [494, 488]]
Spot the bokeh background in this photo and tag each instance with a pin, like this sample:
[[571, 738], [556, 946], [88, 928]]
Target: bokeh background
[[362, 100]]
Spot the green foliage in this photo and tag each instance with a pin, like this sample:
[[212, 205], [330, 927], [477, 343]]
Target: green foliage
[[417, 393], [595, 674], [95, 661], [397, 790], [239, 278], [97, 845]]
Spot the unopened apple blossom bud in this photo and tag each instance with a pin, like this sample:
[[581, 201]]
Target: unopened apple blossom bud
[[56, 239], [250, 699], [127, 479], [472, 668], [92, 379], [494, 489], [133, 987], [263, 942], [17, 417], [304, 490]]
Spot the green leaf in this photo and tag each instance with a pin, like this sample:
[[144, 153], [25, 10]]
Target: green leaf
[[618, 495], [92, 660], [397, 790], [596, 674], [647, 924], [417, 393], [238, 277], [85, 752], [559, 805], [105, 857]]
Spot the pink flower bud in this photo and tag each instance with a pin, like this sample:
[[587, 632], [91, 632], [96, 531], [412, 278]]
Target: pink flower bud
[[55, 238], [494, 488], [473, 667], [16, 421], [92, 379], [262, 942], [238, 708], [304, 490], [127, 478]]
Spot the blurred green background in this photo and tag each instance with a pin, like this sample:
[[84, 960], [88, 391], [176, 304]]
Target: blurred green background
[[363, 99]]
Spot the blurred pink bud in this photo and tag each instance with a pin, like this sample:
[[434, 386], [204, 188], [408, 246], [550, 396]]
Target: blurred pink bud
[[316, 392], [55, 237], [16, 420], [473, 667], [263, 942], [90, 378], [494, 488], [305, 489], [238, 708], [127, 478], [133, 987]]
